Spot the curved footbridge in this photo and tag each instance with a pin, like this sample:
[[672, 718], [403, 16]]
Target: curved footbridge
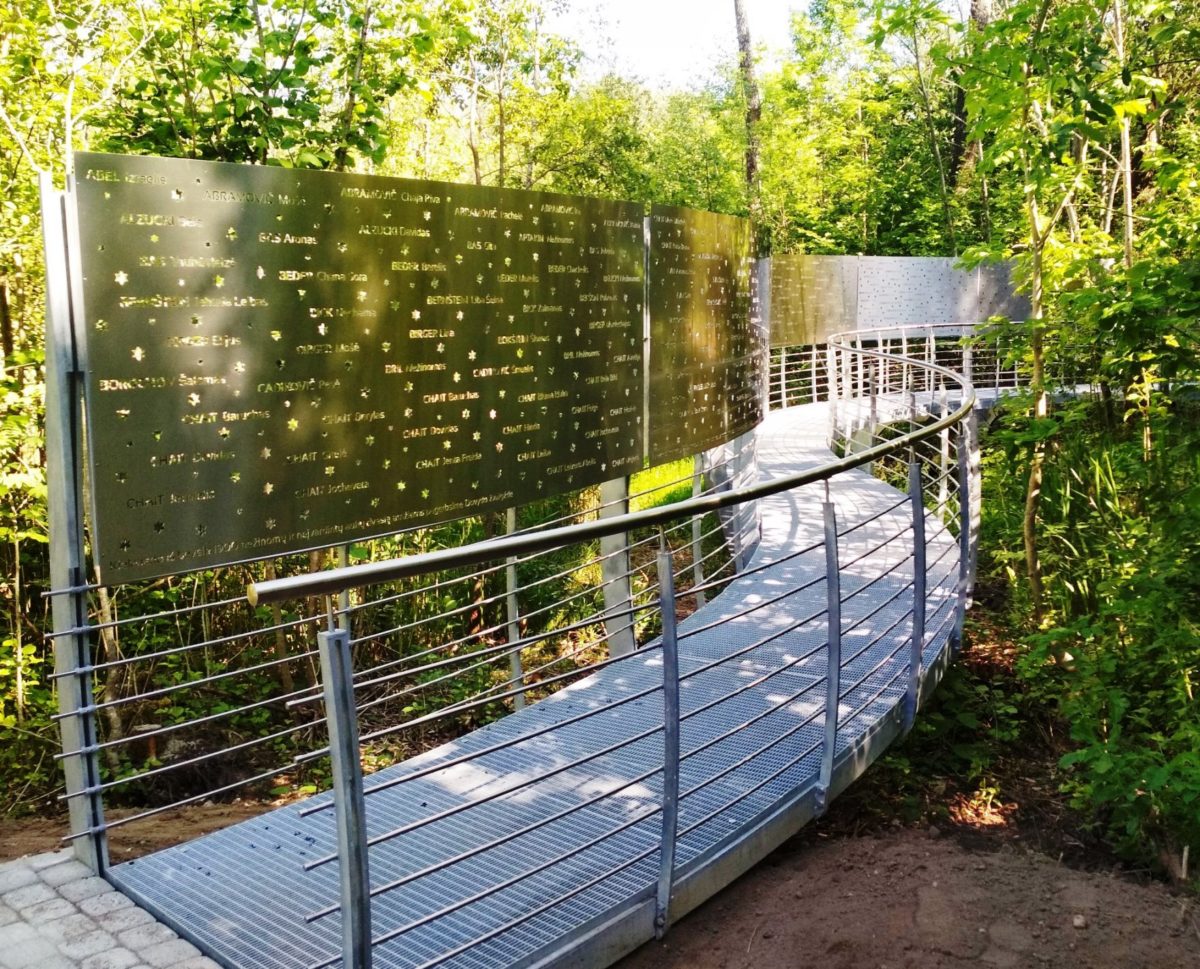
[[536, 840]]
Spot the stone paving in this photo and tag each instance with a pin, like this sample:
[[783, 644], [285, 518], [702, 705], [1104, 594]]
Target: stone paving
[[55, 914]]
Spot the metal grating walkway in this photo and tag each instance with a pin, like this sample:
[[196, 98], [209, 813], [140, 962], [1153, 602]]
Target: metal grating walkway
[[242, 895]]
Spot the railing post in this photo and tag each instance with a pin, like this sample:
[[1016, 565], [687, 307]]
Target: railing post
[[964, 534], [341, 717], [670, 813], [783, 375], [698, 531], [513, 614], [833, 665], [862, 365], [943, 454], [917, 645], [848, 387], [68, 564], [816, 392], [831, 382], [874, 386], [974, 487]]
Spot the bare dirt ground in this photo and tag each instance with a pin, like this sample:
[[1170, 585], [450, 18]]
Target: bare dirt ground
[[30, 836], [906, 898]]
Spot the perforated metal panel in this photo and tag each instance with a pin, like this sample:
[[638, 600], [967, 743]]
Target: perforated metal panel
[[706, 351], [284, 359], [812, 297], [997, 296], [815, 296], [897, 291]]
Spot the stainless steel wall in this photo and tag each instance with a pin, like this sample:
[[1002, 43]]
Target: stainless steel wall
[[815, 296]]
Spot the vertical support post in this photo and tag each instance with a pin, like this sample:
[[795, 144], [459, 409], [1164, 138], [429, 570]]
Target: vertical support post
[[614, 571], [975, 489], [964, 534], [833, 665], [874, 387], [337, 683], [516, 672], [848, 386], [783, 376], [698, 530], [670, 813], [943, 455], [816, 392], [68, 564], [968, 363], [917, 644], [862, 365]]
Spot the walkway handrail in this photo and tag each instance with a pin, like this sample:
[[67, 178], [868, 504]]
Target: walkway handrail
[[333, 581]]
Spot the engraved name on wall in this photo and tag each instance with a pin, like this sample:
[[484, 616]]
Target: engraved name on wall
[[283, 359]]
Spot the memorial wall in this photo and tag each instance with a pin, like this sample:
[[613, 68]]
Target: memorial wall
[[706, 338], [815, 296], [279, 359]]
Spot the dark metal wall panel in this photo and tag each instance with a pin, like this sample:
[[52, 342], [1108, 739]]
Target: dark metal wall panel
[[812, 297], [706, 342], [285, 359]]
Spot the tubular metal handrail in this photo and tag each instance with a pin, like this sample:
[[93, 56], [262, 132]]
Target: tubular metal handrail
[[333, 581], [429, 665]]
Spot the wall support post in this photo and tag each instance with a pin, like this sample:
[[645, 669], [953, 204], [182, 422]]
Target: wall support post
[[68, 564]]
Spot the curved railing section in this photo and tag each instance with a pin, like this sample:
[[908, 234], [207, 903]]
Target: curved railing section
[[735, 743], [567, 774]]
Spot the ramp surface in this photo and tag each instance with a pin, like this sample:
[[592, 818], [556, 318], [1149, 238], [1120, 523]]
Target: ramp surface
[[508, 875]]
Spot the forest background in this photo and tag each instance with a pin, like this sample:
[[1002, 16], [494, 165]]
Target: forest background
[[1062, 133]]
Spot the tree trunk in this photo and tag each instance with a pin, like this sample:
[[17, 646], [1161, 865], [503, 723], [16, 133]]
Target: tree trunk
[[931, 127], [1126, 147], [342, 153], [753, 117], [286, 682], [537, 90], [473, 124], [17, 637], [6, 324], [115, 679]]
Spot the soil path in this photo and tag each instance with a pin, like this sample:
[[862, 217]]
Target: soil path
[[906, 898]]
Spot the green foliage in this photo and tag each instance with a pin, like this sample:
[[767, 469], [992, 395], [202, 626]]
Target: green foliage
[[234, 80], [1120, 659]]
